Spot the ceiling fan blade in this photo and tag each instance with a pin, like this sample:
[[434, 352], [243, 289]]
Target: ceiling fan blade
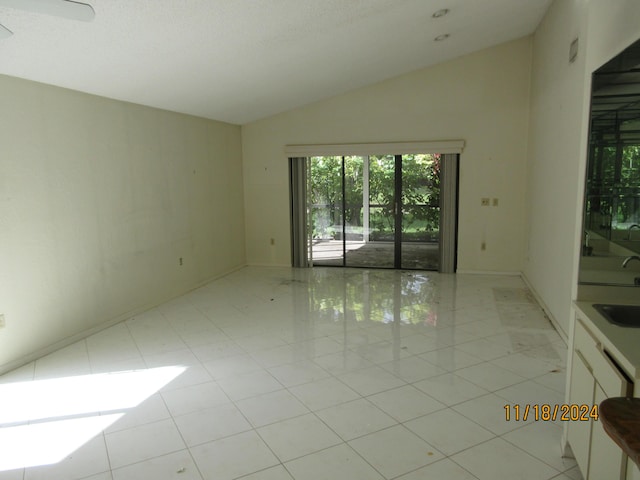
[[58, 8], [4, 32]]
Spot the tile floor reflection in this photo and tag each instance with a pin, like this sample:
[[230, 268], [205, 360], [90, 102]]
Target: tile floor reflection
[[319, 373]]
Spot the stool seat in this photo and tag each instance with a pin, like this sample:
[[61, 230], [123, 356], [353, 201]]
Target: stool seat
[[620, 418]]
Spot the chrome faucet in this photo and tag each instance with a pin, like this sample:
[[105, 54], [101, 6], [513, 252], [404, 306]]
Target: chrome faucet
[[628, 259], [635, 225]]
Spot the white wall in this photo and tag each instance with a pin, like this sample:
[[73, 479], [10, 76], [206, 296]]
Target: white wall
[[481, 98], [558, 138], [98, 201]]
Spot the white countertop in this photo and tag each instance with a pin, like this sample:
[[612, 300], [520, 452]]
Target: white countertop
[[623, 343]]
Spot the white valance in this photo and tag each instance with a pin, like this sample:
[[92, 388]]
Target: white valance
[[445, 146]]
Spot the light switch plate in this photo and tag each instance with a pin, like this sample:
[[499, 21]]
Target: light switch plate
[[573, 51]]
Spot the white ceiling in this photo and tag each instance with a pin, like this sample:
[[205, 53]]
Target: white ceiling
[[242, 60]]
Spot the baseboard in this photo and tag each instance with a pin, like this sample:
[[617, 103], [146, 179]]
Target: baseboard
[[276, 265], [22, 361], [546, 309], [488, 272]]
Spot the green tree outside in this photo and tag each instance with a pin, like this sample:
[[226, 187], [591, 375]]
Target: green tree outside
[[420, 196]]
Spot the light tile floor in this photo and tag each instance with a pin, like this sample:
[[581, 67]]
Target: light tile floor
[[277, 373]]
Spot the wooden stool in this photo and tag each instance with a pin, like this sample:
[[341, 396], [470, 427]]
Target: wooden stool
[[620, 418]]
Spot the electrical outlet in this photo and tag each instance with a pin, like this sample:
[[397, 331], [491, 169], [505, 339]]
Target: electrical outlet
[[2, 322], [485, 202], [180, 261], [495, 202]]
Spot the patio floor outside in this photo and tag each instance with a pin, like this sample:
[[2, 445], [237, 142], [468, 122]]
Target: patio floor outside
[[415, 255]]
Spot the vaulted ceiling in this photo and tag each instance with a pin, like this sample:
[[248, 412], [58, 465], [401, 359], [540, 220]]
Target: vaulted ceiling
[[242, 60]]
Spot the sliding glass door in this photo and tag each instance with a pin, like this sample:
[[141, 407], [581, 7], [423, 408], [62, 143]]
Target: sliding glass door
[[380, 211], [420, 212], [325, 206], [379, 248]]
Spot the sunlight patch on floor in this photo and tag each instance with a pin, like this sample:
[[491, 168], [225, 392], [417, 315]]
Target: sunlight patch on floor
[[44, 421]]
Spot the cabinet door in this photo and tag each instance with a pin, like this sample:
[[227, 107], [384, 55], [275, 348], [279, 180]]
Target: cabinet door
[[633, 472], [607, 460], [581, 392]]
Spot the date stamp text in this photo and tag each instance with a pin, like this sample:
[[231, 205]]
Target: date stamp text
[[550, 413]]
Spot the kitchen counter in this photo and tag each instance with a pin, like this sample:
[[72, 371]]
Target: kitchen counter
[[604, 363], [623, 343]]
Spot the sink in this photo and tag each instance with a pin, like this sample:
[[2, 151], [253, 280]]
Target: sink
[[623, 315]]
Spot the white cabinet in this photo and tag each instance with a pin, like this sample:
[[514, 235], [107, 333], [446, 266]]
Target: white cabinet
[[594, 377], [581, 393], [607, 459]]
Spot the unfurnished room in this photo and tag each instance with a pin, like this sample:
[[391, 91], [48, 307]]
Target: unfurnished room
[[319, 239]]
